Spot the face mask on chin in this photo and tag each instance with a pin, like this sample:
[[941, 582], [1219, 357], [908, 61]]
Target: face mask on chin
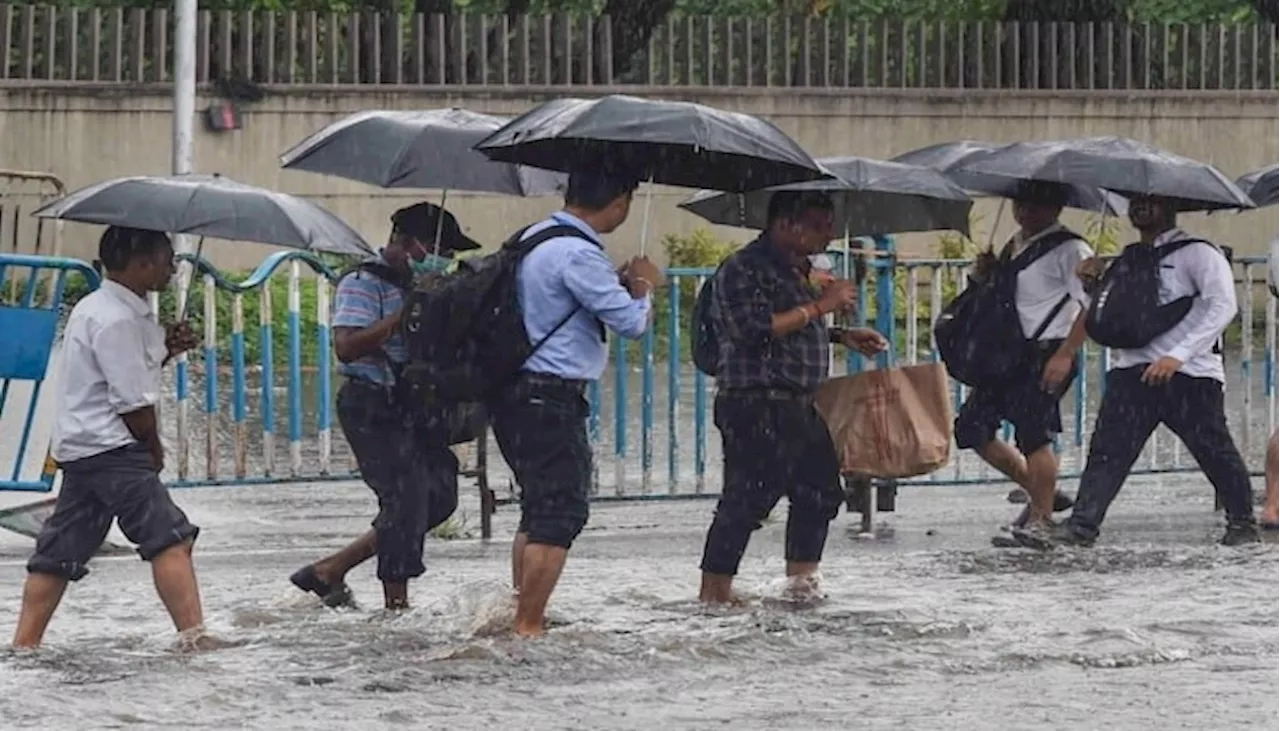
[[431, 264]]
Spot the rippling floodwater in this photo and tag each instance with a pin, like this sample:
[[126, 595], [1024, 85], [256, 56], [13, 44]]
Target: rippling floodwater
[[926, 627]]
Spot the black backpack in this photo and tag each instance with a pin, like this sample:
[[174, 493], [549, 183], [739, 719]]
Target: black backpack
[[706, 344], [1125, 311], [979, 333], [465, 331]]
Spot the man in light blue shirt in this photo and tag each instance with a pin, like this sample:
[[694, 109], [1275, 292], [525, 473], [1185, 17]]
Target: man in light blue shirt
[[570, 293]]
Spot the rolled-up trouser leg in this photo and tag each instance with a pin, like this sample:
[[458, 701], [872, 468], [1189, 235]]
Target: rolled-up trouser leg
[[541, 428], [391, 464], [752, 467], [120, 484]]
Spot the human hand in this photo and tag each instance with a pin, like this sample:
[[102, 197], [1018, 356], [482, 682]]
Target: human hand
[[838, 296], [984, 264], [1159, 373], [1090, 269], [644, 272], [865, 340], [179, 338]]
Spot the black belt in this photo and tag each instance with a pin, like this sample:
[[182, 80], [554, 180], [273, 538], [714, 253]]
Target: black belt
[[768, 393], [546, 379]]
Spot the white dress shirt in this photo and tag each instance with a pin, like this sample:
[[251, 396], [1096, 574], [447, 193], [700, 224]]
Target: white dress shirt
[[112, 352], [1198, 270], [1043, 284]]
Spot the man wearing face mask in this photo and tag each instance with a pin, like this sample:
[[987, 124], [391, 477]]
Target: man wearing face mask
[[1176, 379], [773, 356], [402, 451]]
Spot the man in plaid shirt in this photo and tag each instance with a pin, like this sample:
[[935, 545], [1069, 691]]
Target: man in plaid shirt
[[773, 355]]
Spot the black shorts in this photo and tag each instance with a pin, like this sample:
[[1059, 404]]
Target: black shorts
[[122, 485], [1034, 414], [540, 423]]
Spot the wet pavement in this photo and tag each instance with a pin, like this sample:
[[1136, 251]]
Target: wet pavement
[[924, 627]]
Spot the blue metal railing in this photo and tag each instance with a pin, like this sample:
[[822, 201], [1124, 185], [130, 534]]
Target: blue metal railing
[[900, 298], [31, 292]]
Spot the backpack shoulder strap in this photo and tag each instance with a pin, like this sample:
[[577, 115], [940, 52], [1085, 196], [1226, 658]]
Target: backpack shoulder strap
[[525, 244], [1046, 244]]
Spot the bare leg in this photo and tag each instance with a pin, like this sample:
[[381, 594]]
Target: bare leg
[[803, 577], [40, 597], [1271, 501], [1042, 482], [333, 569], [540, 570], [717, 589], [395, 595], [1031, 475], [175, 579], [517, 559]]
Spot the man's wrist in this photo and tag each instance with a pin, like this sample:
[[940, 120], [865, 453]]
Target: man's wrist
[[836, 335]]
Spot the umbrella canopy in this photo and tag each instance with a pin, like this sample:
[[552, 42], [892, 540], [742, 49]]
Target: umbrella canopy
[[871, 197], [672, 143], [1119, 164], [1261, 186], [948, 157], [209, 205], [429, 149]]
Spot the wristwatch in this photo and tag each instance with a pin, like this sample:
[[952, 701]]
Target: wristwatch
[[835, 335]]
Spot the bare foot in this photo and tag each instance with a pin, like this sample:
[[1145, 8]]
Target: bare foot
[[530, 632], [197, 639]]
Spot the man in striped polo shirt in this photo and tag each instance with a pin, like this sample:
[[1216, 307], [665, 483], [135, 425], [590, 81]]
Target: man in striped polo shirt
[[403, 452]]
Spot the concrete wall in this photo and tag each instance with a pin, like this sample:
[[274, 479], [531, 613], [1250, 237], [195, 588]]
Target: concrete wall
[[86, 134]]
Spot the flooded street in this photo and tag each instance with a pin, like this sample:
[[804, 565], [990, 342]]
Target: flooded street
[[927, 626]]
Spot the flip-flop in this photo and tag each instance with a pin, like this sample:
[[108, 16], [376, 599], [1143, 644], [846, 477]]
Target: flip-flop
[[333, 596]]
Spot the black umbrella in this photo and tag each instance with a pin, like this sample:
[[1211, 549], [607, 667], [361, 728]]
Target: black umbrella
[[1118, 164], [672, 143], [209, 205], [1260, 186], [429, 149], [871, 197], [948, 157]]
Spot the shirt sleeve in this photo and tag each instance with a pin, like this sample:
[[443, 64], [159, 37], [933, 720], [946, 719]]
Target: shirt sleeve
[[356, 302], [1214, 307], [744, 300], [591, 279], [121, 353], [1073, 253]]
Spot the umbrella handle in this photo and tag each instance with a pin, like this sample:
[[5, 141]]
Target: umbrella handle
[[991, 238], [444, 196], [644, 222], [185, 291]]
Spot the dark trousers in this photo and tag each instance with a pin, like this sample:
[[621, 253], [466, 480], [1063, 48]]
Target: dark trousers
[[540, 423], [1193, 410], [774, 444], [405, 459]]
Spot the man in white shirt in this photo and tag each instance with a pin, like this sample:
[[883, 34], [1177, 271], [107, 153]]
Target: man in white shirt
[[1048, 296], [107, 442], [1176, 379]]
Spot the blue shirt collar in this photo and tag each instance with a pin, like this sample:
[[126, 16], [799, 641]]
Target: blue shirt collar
[[568, 219]]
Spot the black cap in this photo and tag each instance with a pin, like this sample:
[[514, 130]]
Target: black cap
[[1041, 192], [422, 220]]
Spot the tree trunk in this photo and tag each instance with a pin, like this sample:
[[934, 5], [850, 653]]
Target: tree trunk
[[632, 24]]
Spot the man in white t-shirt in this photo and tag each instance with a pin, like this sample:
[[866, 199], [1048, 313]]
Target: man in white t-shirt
[[107, 443], [1048, 296]]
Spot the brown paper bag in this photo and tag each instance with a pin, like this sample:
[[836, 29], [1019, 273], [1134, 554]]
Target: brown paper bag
[[890, 423]]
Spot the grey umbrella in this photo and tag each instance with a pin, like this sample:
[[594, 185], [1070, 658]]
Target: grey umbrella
[[871, 197], [672, 143], [1120, 165], [948, 157], [209, 205], [1261, 186], [427, 149]]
